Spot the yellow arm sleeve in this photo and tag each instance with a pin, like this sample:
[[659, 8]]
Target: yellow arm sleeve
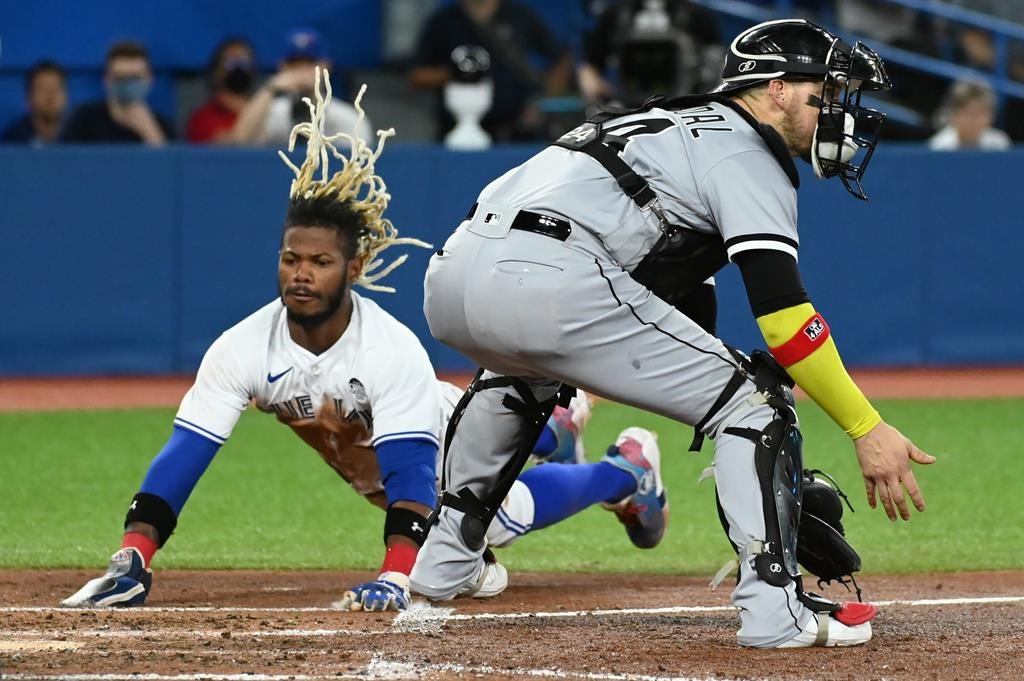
[[816, 366]]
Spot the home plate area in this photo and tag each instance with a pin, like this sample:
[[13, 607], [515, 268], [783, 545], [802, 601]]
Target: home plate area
[[250, 625]]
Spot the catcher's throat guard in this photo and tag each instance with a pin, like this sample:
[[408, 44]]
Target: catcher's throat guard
[[847, 132]]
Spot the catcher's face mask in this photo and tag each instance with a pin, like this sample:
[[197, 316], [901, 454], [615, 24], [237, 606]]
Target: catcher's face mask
[[846, 134]]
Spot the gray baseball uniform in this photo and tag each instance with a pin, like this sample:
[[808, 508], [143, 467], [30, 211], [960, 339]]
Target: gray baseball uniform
[[548, 311]]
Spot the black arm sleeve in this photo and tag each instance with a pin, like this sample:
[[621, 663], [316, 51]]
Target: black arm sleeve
[[772, 280], [701, 305]]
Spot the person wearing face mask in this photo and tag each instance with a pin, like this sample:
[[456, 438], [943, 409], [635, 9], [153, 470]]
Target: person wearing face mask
[[270, 114], [232, 78], [124, 116]]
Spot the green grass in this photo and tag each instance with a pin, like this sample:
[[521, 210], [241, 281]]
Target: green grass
[[267, 501]]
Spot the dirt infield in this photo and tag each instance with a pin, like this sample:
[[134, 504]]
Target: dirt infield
[[272, 625], [36, 394]]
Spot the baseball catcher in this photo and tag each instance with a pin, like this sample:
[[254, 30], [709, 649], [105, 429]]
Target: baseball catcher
[[571, 268]]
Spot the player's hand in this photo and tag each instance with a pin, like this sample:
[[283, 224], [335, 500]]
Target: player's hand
[[884, 455], [126, 583], [390, 591]]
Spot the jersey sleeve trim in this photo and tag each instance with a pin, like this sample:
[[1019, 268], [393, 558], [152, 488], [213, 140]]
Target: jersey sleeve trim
[[407, 435], [199, 430], [751, 242]]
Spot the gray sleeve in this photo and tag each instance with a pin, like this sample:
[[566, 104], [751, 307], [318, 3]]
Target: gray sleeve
[[752, 202]]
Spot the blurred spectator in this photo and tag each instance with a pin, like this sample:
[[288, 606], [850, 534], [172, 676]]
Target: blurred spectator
[[124, 116], [656, 46], [270, 114], [46, 95], [906, 29], [977, 47], [887, 23], [970, 112], [232, 77], [514, 37]]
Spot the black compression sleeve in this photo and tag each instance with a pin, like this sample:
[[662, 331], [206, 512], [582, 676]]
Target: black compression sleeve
[[772, 280], [701, 305], [151, 509], [407, 523]]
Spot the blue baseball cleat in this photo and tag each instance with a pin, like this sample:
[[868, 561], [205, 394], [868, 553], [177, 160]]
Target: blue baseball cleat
[[126, 583], [568, 424], [645, 512]]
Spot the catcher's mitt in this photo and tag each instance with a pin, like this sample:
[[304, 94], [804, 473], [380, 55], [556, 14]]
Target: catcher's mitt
[[822, 548]]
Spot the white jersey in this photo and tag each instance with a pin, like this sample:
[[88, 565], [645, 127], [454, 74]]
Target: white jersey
[[377, 373]]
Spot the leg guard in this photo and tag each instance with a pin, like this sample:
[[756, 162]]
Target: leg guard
[[479, 511], [779, 464], [778, 460]]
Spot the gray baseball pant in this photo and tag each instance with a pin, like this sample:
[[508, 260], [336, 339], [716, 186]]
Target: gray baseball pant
[[527, 305]]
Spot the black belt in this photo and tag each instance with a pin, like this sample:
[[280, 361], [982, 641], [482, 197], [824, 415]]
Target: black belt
[[528, 221]]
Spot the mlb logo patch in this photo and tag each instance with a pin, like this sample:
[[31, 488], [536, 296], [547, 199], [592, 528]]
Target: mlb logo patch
[[492, 218], [358, 391], [815, 328]]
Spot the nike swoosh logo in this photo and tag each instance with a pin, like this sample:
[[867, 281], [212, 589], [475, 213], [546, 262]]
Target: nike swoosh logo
[[271, 378]]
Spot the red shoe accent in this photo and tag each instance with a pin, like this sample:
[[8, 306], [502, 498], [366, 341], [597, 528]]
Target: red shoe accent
[[852, 614]]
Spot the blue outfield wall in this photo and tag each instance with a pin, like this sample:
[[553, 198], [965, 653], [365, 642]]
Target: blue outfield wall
[[128, 260]]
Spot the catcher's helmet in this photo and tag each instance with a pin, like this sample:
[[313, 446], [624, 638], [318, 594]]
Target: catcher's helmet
[[795, 49]]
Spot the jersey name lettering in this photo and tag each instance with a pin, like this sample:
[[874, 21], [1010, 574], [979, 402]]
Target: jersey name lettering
[[692, 118], [300, 407]]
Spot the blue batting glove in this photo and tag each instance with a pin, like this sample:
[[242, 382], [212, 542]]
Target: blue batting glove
[[390, 591]]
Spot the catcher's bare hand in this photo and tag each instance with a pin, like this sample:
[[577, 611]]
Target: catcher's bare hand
[[884, 455]]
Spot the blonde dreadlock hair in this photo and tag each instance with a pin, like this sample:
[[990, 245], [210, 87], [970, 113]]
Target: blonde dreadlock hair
[[355, 189]]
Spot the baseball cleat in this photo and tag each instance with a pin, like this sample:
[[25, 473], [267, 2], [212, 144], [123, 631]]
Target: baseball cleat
[[492, 580], [826, 630], [645, 512], [126, 583], [568, 424]]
